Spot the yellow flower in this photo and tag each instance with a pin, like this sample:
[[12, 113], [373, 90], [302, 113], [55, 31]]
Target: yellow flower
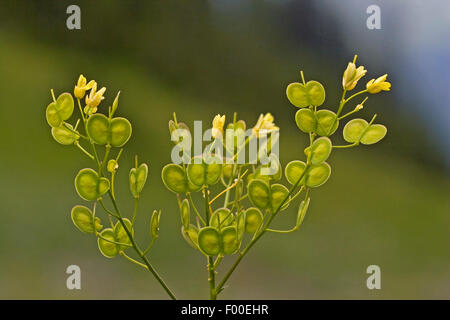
[[94, 98], [265, 122], [80, 89], [378, 85], [352, 75], [218, 123]]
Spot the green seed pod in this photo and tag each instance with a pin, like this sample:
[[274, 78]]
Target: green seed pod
[[64, 136], [138, 177], [101, 130], [59, 111], [278, 194], [230, 243], [89, 185], [354, 129], [222, 218], [373, 134], [253, 219], [209, 241], [310, 94], [185, 213], [174, 178], [107, 248], [227, 171], [325, 119], [203, 173], [359, 130], [240, 226], [317, 174], [154, 224], [83, 219], [259, 193], [306, 120], [320, 150], [294, 170], [190, 234], [302, 212], [121, 235]]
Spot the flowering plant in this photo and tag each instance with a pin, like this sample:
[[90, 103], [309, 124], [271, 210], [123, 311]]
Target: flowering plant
[[250, 190]]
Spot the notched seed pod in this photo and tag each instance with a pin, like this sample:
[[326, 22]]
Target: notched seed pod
[[60, 110], [302, 96], [200, 172], [89, 185], [102, 130], [137, 178], [359, 130]]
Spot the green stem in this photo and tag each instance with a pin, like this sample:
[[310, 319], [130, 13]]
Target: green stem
[[136, 203], [253, 241], [138, 251], [83, 150]]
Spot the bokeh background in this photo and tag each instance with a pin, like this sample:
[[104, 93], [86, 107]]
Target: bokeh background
[[386, 204]]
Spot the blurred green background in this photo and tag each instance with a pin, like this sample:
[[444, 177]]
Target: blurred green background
[[386, 204]]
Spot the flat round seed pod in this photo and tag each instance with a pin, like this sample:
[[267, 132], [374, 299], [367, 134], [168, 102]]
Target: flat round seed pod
[[174, 178], [190, 234], [201, 172], [222, 218], [325, 120], [107, 248], [259, 193], [83, 219], [209, 241], [253, 219], [59, 111], [230, 243], [373, 134], [119, 131], [102, 130], [63, 135], [278, 194], [317, 174], [89, 185], [354, 130], [294, 171], [185, 213], [306, 120], [320, 150], [121, 235], [137, 179], [301, 96]]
